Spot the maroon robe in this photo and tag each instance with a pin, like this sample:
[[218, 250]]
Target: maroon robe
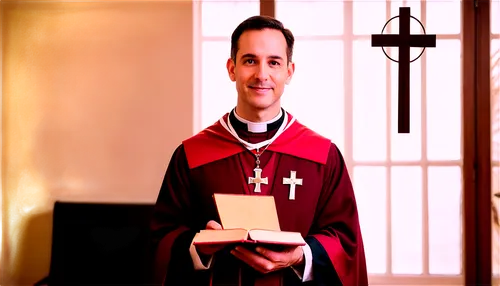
[[324, 210]]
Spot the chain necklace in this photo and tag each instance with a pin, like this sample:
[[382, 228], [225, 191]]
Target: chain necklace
[[256, 146], [257, 179], [257, 156]]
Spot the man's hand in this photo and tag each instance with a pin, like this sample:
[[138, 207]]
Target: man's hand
[[266, 260], [210, 249]]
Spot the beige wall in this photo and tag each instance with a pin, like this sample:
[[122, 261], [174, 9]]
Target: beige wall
[[95, 97]]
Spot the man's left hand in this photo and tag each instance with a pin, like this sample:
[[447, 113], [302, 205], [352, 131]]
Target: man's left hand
[[266, 260]]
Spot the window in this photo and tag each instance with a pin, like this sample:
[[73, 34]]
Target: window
[[408, 186], [218, 93]]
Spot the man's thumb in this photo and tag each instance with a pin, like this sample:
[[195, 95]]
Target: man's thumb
[[213, 225]]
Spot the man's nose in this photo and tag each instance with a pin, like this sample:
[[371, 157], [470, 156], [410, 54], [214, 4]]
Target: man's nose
[[262, 72]]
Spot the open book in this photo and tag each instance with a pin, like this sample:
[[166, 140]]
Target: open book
[[262, 236], [248, 219]]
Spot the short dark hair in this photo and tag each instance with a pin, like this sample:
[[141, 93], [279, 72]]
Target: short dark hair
[[260, 23]]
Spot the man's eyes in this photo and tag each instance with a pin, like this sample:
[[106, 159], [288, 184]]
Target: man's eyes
[[250, 61]]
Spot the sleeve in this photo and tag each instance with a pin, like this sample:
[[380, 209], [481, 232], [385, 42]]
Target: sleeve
[[197, 261], [335, 238], [305, 274], [173, 228]]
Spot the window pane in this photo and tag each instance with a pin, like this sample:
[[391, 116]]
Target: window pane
[[414, 11], [311, 18], [369, 102], [495, 100], [218, 92], [406, 224], [369, 16], [370, 188], [445, 220], [435, 11], [315, 94], [221, 17], [444, 114], [407, 147], [495, 16], [415, 28]]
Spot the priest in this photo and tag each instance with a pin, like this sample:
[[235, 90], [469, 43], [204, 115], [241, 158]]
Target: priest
[[259, 148]]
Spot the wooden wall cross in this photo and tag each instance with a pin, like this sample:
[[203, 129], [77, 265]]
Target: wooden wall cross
[[404, 40]]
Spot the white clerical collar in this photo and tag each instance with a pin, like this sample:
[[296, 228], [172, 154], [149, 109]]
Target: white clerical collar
[[252, 146], [257, 127]]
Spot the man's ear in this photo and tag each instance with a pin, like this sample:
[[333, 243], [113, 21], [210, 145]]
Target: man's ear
[[230, 65], [291, 71]]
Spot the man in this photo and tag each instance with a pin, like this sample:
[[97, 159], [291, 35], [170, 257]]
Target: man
[[259, 137]]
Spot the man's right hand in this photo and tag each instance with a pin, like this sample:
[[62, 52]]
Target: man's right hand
[[210, 249]]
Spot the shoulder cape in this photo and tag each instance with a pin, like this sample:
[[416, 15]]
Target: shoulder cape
[[216, 143]]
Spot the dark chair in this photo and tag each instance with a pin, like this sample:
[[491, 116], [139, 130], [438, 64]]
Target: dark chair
[[100, 244]]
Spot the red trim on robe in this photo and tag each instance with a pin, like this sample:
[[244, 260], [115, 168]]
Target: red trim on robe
[[337, 256], [216, 143]]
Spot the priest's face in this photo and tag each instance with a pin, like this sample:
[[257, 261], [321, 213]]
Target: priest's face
[[260, 72]]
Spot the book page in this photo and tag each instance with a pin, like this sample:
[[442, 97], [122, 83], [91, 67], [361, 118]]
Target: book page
[[248, 212], [212, 236], [277, 237]]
